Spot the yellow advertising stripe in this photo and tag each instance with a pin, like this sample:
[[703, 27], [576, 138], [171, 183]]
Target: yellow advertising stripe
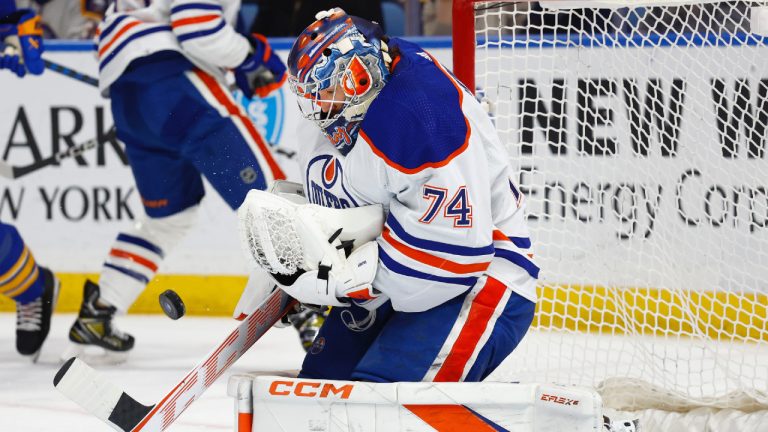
[[214, 295], [652, 311], [583, 308]]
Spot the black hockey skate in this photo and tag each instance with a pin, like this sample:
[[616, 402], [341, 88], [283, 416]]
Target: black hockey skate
[[33, 320], [93, 327], [308, 322]]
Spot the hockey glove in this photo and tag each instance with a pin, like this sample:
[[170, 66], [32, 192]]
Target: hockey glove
[[335, 286], [9, 59], [262, 71], [29, 32]]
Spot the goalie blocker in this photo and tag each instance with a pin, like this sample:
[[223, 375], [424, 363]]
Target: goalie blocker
[[274, 403]]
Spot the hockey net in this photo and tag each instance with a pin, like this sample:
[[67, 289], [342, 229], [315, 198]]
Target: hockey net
[[639, 131]]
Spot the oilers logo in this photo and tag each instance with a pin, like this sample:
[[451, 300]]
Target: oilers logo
[[325, 183], [340, 137], [268, 114]]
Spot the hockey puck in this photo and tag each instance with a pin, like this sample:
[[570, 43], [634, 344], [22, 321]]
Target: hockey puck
[[172, 304]]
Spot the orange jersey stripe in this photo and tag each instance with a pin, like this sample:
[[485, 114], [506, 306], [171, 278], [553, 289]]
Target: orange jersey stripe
[[450, 418], [194, 20], [119, 253], [432, 260], [480, 312], [117, 36], [499, 236], [233, 110]]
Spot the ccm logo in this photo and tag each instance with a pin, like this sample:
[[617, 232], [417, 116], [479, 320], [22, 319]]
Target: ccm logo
[[559, 399], [309, 389]]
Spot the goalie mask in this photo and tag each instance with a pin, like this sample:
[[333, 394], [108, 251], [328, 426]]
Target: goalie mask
[[337, 67]]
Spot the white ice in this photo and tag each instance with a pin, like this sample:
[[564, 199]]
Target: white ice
[[165, 351]]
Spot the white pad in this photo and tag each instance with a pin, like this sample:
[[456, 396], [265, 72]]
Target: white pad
[[292, 404]]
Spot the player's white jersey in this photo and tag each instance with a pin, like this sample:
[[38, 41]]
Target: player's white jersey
[[429, 153], [200, 29]]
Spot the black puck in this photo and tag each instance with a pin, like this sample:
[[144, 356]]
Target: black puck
[[172, 304]]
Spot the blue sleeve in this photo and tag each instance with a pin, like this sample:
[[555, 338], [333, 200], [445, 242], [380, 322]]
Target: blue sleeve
[[416, 121], [7, 7]]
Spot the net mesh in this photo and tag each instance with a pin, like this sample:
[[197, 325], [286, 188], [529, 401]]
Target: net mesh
[[270, 238], [639, 135]]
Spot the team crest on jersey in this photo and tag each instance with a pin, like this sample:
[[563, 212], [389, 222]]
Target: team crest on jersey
[[329, 172], [340, 137], [268, 114], [325, 183]]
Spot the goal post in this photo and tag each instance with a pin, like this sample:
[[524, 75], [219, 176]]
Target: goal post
[[639, 129]]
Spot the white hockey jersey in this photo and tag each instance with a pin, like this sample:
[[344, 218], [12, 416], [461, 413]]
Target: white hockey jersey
[[202, 30], [429, 153]]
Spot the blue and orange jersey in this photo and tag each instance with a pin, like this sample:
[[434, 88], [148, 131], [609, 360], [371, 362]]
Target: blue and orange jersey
[[202, 30], [430, 154]]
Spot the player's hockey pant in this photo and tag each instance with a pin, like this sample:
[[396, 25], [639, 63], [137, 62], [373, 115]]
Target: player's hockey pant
[[463, 339], [177, 123], [20, 279]]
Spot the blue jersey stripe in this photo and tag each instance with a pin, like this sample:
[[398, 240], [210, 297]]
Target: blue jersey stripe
[[112, 26], [396, 267], [201, 33], [128, 40], [136, 275], [199, 6], [435, 245], [520, 261], [521, 242], [140, 242]]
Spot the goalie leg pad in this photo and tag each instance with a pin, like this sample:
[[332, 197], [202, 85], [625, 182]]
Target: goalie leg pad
[[291, 404], [137, 253]]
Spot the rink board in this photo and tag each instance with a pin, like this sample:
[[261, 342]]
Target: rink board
[[69, 214]]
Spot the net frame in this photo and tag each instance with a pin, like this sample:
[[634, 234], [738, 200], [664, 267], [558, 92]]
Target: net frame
[[632, 393]]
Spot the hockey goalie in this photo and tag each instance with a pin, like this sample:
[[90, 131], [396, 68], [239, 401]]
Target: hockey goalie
[[438, 288]]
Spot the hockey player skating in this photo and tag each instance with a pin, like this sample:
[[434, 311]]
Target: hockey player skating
[[447, 290], [164, 68], [32, 287]]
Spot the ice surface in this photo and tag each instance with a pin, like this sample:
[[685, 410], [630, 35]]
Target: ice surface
[[165, 351]]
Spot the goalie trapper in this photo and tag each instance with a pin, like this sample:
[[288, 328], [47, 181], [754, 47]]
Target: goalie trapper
[[304, 247]]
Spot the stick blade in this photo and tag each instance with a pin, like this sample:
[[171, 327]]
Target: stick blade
[[85, 386]]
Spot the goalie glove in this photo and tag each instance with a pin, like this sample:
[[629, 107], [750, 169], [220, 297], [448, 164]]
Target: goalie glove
[[334, 284]]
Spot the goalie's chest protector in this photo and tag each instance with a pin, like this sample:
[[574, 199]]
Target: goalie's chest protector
[[323, 176]]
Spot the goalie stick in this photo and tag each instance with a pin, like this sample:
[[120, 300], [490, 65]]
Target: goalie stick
[[85, 386], [14, 172]]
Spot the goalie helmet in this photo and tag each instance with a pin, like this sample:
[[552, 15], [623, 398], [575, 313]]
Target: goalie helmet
[[337, 66]]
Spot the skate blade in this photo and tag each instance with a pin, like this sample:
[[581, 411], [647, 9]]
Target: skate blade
[[94, 355]]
